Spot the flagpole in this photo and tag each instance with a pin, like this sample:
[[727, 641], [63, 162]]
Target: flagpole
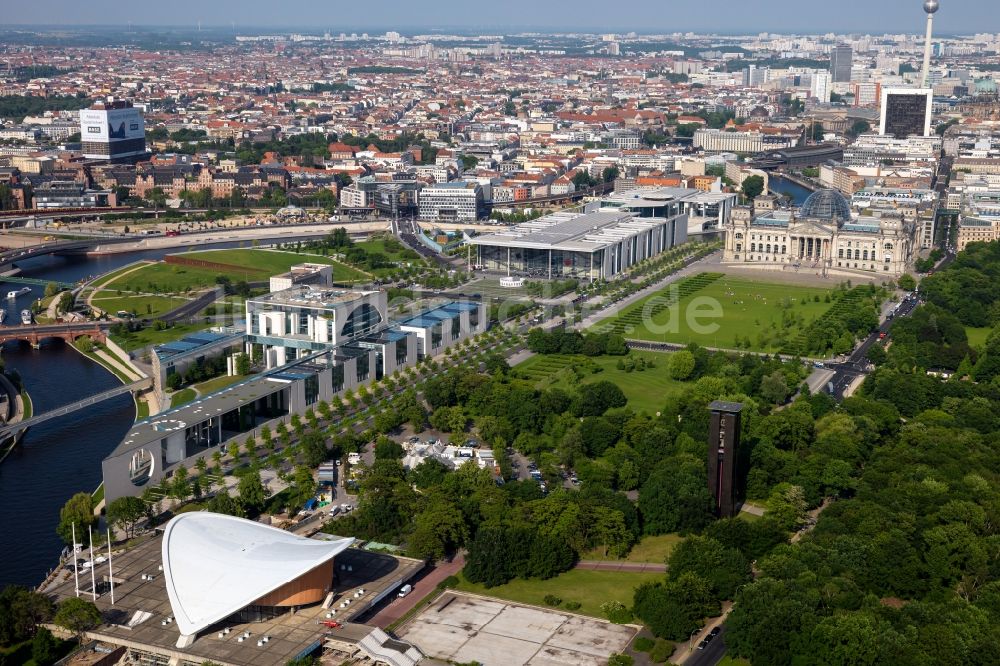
[[93, 579], [76, 573], [111, 572]]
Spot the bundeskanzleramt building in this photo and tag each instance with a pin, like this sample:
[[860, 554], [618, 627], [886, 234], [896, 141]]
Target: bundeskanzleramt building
[[824, 236], [317, 343]]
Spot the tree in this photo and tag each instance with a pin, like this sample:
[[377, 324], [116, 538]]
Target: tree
[[681, 364], [77, 615], [675, 496], [597, 398], [906, 282], [438, 530], [858, 128], [21, 611], [242, 364], [51, 289], [725, 569], [753, 187], [774, 387], [79, 512], [125, 512], [224, 503], [44, 647], [674, 609], [302, 489], [251, 492]]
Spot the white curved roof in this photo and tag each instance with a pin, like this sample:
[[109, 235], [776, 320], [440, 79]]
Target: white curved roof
[[214, 564]]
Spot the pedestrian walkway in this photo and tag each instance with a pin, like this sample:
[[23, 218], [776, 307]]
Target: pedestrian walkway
[[118, 365], [399, 607], [621, 565]]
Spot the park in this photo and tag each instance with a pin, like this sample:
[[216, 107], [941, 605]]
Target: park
[[722, 312]]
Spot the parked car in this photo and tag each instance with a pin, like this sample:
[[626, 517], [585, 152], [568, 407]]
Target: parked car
[[405, 590]]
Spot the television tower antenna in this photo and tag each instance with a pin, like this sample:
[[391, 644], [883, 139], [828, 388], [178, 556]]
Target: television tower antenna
[[931, 7]]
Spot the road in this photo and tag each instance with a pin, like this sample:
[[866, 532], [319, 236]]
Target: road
[[712, 654], [846, 372]]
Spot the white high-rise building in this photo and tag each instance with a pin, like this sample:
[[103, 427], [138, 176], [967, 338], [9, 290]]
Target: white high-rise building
[[821, 86]]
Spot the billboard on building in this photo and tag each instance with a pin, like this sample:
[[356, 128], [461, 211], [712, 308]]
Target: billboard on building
[[111, 125]]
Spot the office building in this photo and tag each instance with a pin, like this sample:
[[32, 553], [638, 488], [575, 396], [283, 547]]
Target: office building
[[595, 245], [841, 61], [821, 86], [458, 201], [113, 131], [906, 112], [723, 450]]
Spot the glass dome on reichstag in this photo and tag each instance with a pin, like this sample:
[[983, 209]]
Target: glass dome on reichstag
[[828, 205]]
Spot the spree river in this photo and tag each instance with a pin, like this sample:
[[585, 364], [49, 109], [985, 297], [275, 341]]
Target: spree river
[[779, 185], [62, 456]]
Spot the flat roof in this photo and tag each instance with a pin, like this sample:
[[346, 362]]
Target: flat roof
[[656, 197], [571, 231], [192, 342], [156, 427], [312, 297], [439, 314]]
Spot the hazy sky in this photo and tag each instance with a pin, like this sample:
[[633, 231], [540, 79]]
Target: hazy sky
[[873, 16]]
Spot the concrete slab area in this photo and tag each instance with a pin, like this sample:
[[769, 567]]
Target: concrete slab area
[[552, 656], [464, 628], [489, 649], [528, 624], [591, 636]]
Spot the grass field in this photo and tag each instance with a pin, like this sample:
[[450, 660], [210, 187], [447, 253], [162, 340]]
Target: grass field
[[144, 306], [766, 315], [182, 397], [646, 390], [397, 253], [589, 588], [259, 266], [151, 336], [977, 336], [652, 549], [217, 384]]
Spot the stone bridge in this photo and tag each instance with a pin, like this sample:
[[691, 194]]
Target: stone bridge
[[34, 334]]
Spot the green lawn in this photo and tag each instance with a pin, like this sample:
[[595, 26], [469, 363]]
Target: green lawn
[[589, 588], [652, 549], [182, 397], [768, 315], [217, 384], [393, 250], [150, 336], [977, 336], [733, 661], [144, 306], [646, 390], [273, 262], [258, 266]]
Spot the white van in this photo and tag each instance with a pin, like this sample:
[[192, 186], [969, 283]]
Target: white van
[[405, 590]]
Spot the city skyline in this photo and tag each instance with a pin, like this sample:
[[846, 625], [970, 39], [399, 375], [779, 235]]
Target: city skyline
[[732, 17]]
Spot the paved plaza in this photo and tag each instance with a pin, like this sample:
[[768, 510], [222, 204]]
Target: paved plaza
[[465, 628]]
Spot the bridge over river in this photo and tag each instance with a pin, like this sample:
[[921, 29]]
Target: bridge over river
[[13, 428]]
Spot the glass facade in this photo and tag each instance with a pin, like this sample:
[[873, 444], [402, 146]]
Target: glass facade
[[905, 115], [364, 320]]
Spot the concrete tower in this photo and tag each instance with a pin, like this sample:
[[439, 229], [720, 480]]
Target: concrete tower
[[931, 7], [723, 452]]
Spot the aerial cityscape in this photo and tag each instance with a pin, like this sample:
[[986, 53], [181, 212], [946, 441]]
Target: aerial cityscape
[[549, 334]]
